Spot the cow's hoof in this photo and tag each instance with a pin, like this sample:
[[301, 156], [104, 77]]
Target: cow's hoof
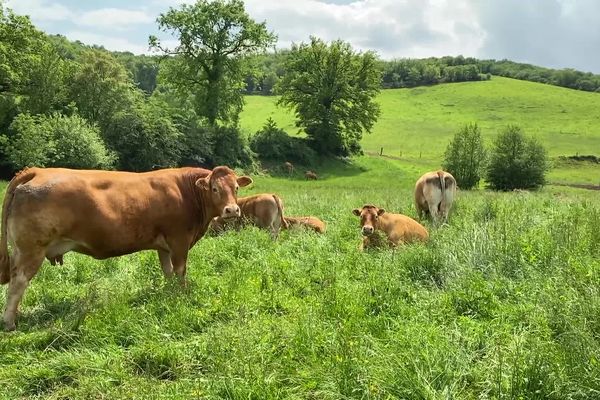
[[9, 327]]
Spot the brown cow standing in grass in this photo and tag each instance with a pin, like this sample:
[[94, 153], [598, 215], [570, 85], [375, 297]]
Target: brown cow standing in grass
[[434, 194], [289, 167], [49, 212], [313, 223], [263, 210], [397, 228], [310, 175]]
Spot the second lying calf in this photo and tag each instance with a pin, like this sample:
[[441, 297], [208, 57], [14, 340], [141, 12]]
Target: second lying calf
[[313, 223], [397, 228]]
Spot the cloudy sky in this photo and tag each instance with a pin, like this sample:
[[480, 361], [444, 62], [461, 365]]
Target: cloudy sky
[[553, 33]]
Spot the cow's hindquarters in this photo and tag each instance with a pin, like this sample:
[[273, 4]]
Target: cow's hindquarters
[[25, 264]]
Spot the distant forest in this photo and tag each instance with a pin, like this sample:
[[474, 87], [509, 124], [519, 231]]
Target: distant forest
[[264, 71]]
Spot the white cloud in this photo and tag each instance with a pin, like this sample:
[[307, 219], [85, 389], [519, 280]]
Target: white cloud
[[41, 10], [113, 18], [393, 28], [109, 42]]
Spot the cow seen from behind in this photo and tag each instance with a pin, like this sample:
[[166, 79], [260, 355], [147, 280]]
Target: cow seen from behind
[[434, 194]]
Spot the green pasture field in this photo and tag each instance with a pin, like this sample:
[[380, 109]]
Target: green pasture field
[[417, 124], [502, 303]]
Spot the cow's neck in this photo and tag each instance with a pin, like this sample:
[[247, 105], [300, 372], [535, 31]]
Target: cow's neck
[[382, 222]]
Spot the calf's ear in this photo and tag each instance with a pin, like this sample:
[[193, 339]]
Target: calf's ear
[[202, 183], [356, 212], [381, 211], [244, 181]]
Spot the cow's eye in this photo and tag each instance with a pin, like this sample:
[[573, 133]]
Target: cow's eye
[[214, 189], [236, 189]]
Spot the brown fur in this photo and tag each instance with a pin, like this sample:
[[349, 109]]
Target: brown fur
[[263, 210], [397, 228], [289, 167], [310, 175], [434, 195], [313, 223], [48, 212]]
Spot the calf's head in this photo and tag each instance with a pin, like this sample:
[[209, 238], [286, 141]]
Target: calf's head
[[369, 216], [222, 186]]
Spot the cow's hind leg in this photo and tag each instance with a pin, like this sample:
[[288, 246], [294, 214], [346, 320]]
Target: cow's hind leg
[[165, 262], [24, 267], [433, 211]]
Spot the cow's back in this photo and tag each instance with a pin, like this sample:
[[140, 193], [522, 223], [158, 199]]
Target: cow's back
[[261, 209], [406, 229], [101, 213]]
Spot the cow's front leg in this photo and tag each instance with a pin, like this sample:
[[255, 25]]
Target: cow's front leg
[[179, 261]]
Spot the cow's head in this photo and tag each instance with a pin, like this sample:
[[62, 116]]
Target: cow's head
[[369, 216], [221, 187]]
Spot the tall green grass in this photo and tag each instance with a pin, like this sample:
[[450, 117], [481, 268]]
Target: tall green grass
[[502, 303]]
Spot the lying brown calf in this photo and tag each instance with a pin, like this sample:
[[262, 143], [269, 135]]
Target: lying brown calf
[[313, 223], [397, 228], [262, 210], [310, 175]]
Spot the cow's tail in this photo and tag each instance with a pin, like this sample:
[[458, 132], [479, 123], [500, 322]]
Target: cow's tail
[[21, 177], [284, 223], [440, 175]]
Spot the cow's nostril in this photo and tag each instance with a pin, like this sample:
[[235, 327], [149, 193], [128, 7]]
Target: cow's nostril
[[232, 210]]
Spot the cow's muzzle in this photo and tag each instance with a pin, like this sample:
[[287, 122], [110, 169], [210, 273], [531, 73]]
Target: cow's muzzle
[[367, 230], [231, 211]]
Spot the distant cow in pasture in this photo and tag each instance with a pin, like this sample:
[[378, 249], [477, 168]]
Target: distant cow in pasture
[[262, 210], [310, 175], [289, 167], [434, 194], [48, 212], [313, 223], [397, 228]]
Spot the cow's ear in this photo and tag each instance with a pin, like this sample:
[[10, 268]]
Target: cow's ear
[[244, 181], [356, 212], [203, 183], [381, 211]]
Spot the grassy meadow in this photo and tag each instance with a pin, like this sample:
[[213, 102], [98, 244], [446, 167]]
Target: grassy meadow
[[503, 303], [416, 124]]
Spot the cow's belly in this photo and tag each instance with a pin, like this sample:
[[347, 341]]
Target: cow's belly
[[101, 249]]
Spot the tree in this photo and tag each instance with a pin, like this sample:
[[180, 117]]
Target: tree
[[144, 137], [516, 161], [213, 37], [465, 157], [331, 88], [55, 141], [31, 70], [101, 87]]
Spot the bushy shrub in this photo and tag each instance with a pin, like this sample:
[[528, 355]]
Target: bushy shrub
[[273, 143], [465, 157], [208, 146], [55, 141], [516, 161], [230, 147], [144, 138]]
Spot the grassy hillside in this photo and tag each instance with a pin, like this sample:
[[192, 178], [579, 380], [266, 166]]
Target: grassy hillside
[[417, 124], [502, 303]]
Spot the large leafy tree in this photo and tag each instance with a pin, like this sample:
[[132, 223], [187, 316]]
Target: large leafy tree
[[32, 72], [101, 87], [331, 88], [213, 37]]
